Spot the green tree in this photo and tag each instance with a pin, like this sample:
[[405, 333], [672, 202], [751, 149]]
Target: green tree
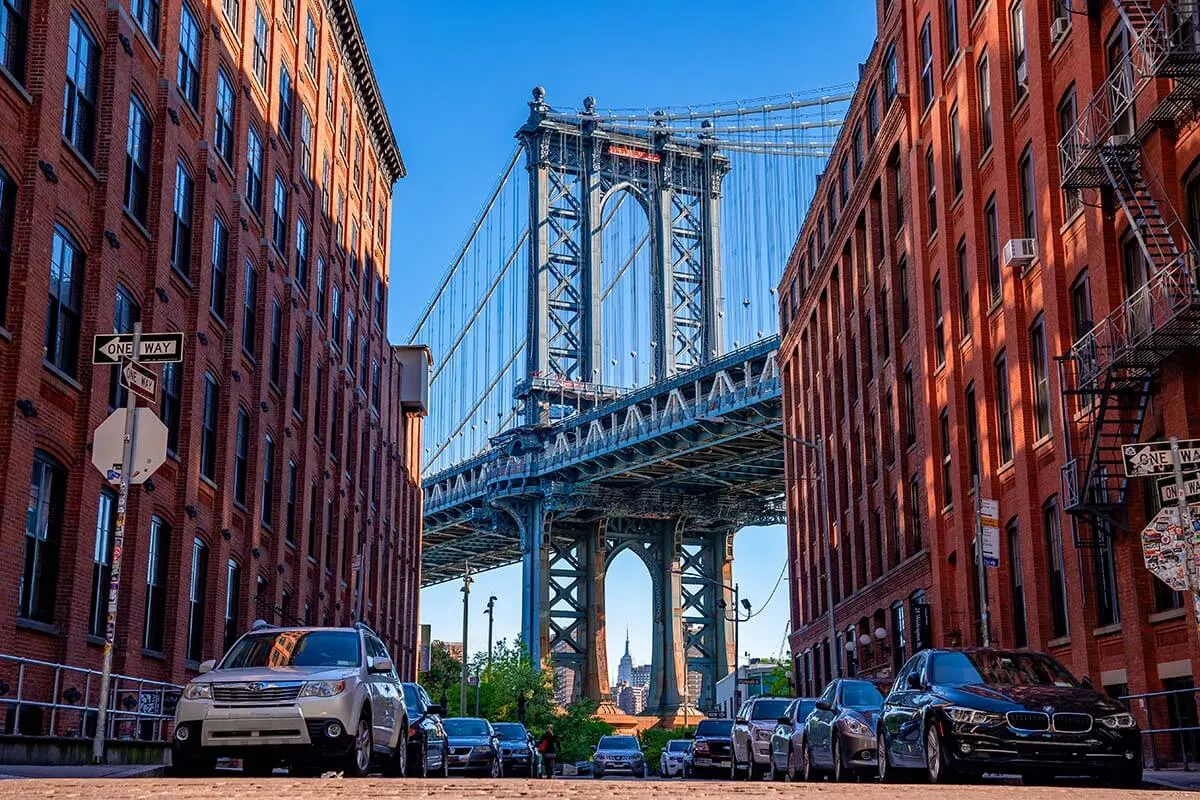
[[578, 731], [654, 741], [778, 683], [443, 677]]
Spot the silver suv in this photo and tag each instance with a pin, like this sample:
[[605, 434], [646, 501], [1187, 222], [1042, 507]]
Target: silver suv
[[315, 699], [752, 731]]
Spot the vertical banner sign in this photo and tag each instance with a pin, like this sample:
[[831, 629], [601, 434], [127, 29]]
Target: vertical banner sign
[[989, 528], [426, 634]]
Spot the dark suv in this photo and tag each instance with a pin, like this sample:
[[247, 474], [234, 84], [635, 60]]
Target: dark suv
[[712, 749]]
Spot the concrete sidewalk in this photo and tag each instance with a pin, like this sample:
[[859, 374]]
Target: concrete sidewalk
[[16, 771], [1173, 779]]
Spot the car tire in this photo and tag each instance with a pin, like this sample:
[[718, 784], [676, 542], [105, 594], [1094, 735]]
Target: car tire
[[446, 762], [183, 766], [808, 772], [839, 773], [937, 764], [598, 774], [397, 765], [357, 762], [884, 770], [752, 772], [496, 769], [790, 775]]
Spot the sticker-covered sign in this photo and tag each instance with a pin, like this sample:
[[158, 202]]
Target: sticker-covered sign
[[1165, 547]]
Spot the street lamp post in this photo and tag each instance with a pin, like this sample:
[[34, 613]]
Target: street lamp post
[[737, 624], [466, 590], [818, 447], [490, 611]]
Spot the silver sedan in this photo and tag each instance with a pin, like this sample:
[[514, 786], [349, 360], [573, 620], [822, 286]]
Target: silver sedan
[[839, 735], [788, 739]]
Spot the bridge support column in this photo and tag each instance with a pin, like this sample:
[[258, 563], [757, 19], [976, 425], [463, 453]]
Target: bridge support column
[[595, 669], [666, 698], [535, 539], [706, 564]]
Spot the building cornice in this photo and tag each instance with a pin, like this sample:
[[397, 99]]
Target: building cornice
[[354, 53]]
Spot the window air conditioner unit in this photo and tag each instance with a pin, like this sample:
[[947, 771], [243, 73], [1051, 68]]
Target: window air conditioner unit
[[1020, 252], [1059, 29], [1119, 140]]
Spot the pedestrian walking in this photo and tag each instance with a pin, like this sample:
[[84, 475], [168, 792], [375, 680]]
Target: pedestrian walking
[[548, 747]]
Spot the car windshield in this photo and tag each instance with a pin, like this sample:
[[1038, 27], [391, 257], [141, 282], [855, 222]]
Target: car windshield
[[769, 709], [466, 727], [999, 669], [618, 743], [511, 731], [678, 746], [410, 698], [294, 649], [856, 694], [806, 708], [714, 727]]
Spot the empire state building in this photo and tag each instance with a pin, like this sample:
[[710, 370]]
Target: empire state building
[[625, 667]]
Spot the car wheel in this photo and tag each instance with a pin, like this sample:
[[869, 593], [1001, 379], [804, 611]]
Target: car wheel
[[882, 759], [937, 767], [774, 768], [791, 764], [598, 774], [839, 769], [807, 770], [446, 762], [496, 770], [357, 762]]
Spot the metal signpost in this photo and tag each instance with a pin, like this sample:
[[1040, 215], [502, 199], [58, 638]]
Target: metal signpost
[[137, 462], [987, 553]]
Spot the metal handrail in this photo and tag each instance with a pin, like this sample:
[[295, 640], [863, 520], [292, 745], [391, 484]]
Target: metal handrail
[[1151, 732], [150, 699]]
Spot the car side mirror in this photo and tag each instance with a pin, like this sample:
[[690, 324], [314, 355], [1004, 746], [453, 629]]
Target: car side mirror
[[784, 721], [381, 666], [741, 721], [824, 705], [913, 681], [207, 666]]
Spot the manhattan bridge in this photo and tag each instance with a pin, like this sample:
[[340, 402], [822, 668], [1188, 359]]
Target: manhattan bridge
[[605, 373]]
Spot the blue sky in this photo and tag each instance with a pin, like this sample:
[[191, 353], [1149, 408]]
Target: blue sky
[[456, 78]]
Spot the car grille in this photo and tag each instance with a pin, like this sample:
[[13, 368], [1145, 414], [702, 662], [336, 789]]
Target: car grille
[[244, 693], [316, 729], [718, 748], [1072, 722], [1029, 720], [460, 751]]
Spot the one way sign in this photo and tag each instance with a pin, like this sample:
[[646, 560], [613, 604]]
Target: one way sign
[[1154, 458], [111, 348]]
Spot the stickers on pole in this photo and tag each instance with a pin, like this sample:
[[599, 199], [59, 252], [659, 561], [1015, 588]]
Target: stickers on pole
[[1166, 548]]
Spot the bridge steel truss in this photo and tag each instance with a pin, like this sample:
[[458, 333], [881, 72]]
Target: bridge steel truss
[[670, 472]]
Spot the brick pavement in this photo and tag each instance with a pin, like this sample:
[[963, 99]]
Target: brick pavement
[[334, 789]]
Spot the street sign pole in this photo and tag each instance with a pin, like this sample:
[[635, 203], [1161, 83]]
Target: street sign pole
[[118, 550], [1185, 522], [984, 611]]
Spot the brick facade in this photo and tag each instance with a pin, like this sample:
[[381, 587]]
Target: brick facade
[[350, 437], [914, 272]]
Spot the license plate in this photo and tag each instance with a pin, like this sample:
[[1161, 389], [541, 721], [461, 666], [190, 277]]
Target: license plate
[[703, 762]]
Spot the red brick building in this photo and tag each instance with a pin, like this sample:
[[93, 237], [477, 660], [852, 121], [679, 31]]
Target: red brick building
[[941, 274], [222, 168]]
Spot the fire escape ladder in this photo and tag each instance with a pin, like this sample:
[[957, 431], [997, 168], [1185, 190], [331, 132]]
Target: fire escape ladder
[[1137, 14], [1122, 162]]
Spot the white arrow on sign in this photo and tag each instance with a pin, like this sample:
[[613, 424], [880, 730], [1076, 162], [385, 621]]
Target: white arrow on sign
[[149, 446], [140, 381], [1150, 459]]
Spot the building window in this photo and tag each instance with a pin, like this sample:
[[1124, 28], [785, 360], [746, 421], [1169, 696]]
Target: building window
[[249, 320], [289, 13], [1016, 583], [226, 110], [931, 179], [858, 148], [328, 535], [298, 374], [302, 254], [1057, 573], [289, 529], [157, 567], [233, 13], [950, 21], [208, 431], [279, 223], [1003, 409], [79, 94], [1041, 379], [268, 497], [254, 171], [220, 258], [232, 601], [1108, 608], [43, 536], [947, 468], [241, 456], [322, 301], [358, 157], [1020, 65], [375, 385], [335, 317], [956, 174], [313, 502], [1072, 198], [985, 103], [170, 407], [939, 323], [319, 402], [285, 102], [125, 313], [329, 92], [973, 457], [276, 341], [197, 597], [964, 287], [13, 31], [102, 553], [1081, 306], [181, 225], [62, 315], [872, 114], [260, 47], [351, 336], [188, 74], [899, 637], [926, 63], [910, 410], [362, 362], [1028, 193], [306, 145], [8, 210], [310, 45], [139, 136], [889, 76], [991, 224], [902, 279], [843, 182], [379, 301], [885, 334], [344, 133]]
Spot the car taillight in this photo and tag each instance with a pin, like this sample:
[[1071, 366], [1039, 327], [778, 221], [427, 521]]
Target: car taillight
[[412, 731]]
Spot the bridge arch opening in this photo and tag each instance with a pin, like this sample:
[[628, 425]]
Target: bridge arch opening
[[629, 628], [628, 342]]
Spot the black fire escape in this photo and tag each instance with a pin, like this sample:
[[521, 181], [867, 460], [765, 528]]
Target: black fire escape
[[1107, 376]]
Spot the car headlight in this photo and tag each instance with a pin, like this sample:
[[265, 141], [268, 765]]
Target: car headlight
[[1122, 721], [701, 747], [856, 727], [762, 735], [323, 688], [198, 691], [970, 716]]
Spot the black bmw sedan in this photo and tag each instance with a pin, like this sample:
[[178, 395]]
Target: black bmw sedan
[[956, 714]]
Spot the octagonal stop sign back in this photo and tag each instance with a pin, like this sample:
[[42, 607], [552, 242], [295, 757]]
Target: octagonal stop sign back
[[149, 445], [1166, 549]]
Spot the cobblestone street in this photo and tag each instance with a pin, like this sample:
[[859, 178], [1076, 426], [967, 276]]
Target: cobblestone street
[[327, 789]]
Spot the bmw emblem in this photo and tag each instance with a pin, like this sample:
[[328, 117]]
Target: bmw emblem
[[255, 687], [1048, 709]]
